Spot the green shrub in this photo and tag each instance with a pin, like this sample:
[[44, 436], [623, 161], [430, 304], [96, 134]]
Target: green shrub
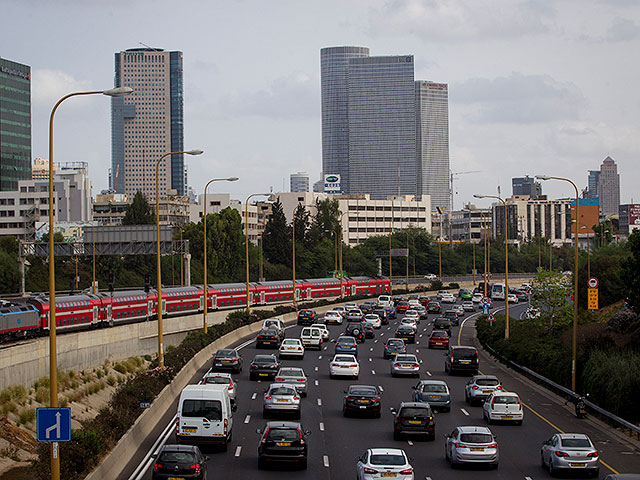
[[14, 393], [9, 407], [111, 381], [454, 285], [436, 285], [120, 368], [27, 415], [42, 394]]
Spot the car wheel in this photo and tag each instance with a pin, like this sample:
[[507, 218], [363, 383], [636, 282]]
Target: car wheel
[[303, 465], [466, 397], [378, 414], [356, 377], [261, 464], [552, 471], [432, 437], [252, 377], [518, 422], [297, 415], [542, 464], [396, 435], [494, 466], [345, 413], [331, 376], [225, 446]]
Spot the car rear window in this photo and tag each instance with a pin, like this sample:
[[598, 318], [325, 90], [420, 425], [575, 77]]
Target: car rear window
[[290, 372], [465, 353], [349, 340], [434, 388], [264, 359], [576, 442], [363, 390], [487, 381], [209, 409], [396, 343], [505, 400], [441, 321], [217, 380], [415, 412], [226, 353], [290, 342], [405, 358], [440, 334], [282, 391], [387, 459], [177, 457], [283, 435], [476, 438], [344, 358]]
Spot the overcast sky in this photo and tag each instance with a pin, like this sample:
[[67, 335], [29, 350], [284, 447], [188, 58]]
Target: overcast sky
[[535, 87]]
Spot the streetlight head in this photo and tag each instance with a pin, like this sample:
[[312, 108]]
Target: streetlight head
[[194, 152], [478, 196], [118, 92], [543, 177], [232, 179]]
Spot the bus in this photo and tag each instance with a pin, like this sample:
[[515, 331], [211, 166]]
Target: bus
[[498, 291]]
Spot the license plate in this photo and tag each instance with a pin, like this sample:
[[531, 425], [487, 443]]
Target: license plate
[[434, 396], [176, 478], [477, 449], [283, 444], [266, 342], [465, 361], [388, 474], [415, 422], [263, 374], [507, 417], [486, 391], [190, 430], [282, 400], [404, 365], [363, 401], [578, 465], [226, 361], [343, 366]]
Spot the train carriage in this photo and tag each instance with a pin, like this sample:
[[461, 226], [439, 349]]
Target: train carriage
[[73, 312], [18, 321], [126, 307]]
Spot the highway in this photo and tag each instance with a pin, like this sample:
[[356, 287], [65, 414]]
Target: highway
[[335, 441]]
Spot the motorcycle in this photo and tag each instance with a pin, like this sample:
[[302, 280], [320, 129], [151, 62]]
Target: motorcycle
[[581, 407]]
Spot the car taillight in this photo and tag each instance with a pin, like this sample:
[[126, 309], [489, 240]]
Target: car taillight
[[477, 359], [264, 437], [475, 387], [459, 445], [415, 365], [157, 467], [353, 365], [560, 453], [370, 470], [195, 467], [492, 445], [407, 471], [268, 397], [396, 364], [493, 402], [351, 399], [377, 399], [593, 454], [295, 397], [230, 387], [279, 379], [335, 364], [498, 387]]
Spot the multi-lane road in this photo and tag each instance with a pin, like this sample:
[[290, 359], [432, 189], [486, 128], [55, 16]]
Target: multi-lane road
[[335, 441]]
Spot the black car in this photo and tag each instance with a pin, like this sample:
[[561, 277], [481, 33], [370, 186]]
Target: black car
[[368, 330], [307, 317], [462, 359], [355, 330], [268, 337], [406, 333], [522, 296], [263, 366], [362, 399], [393, 347], [179, 461], [414, 418], [442, 324], [283, 442], [366, 308], [382, 313], [227, 360], [397, 299], [434, 307], [452, 316]]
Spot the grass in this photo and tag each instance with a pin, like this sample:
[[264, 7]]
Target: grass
[[27, 415]]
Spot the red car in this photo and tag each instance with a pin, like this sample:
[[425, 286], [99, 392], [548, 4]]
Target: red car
[[439, 338], [424, 301], [402, 306]]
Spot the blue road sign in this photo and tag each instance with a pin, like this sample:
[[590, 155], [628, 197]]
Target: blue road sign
[[485, 309], [53, 424]]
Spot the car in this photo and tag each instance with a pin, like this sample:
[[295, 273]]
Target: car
[[452, 316], [424, 301], [477, 298], [268, 337], [394, 346], [368, 330], [532, 313], [414, 418], [503, 406], [341, 310], [414, 302], [355, 330], [227, 359], [283, 442], [294, 376], [512, 298], [412, 314], [434, 392], [480, 387], [442, 324], [388, 462], [405, 364], [344, 365], [347, 344], [307, 317], [281, 398], [522, 296], [406, 333], [462, 358], [183, 461], [350, 306], [354, 315], [383, 314], [567, 452], [391, 311], [218, 378], [311, 337], [431, 277], [397, 299], [374, 320], [439, 338], [441, 293], [291, 347], [420, 309], [263, 366], [366, 308], [465, 294], [434, 307], [471, 445], [448, 298], [276, 323], [324, 330], [525, 286], [459, 309], [402, 306], [333, 316], [409, 321], [384, 300], [468, 306], [362, 399]]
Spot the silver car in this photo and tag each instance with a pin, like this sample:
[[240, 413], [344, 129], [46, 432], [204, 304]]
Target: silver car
[[222, 379], [434, 392], [282, 398], [471, 445], [479, 387], [405, 364], [565, 452], [294, 376]]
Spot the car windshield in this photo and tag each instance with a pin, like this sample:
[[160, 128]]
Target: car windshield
[[209, 409], [505, 400], [476, 438], [405, 358], [291, 372], [387, 459], [226, 353], [177, 457], [217, 380], [264, 359], [414, 412], [283, 434], [363, 390], [344, 358], [434, 387], [282, 391], [441, 321], [576, 442], [487, 381]]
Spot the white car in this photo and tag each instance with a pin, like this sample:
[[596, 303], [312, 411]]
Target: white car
[[411, 322], [333, 316], [351, 306], [324, 330], [532, 313], [503, 406], [414, 302], [431, 277], [477, 298], [291, 347], [447, 298], [412, 314], [373, 319], [378, 463], [311, 337], [512, 298], [344, 365]]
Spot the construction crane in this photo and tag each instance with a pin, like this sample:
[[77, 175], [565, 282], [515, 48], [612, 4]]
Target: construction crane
[[453, 175]]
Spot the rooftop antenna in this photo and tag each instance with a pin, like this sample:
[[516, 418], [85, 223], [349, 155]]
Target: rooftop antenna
[[150, 48]]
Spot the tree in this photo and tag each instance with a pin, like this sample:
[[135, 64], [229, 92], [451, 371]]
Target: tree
[[550, 293], [630, 270], [325, 221], [301, 221], [276, 239], [139, 212]]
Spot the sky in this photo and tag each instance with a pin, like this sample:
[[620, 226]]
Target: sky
[[536, 87]]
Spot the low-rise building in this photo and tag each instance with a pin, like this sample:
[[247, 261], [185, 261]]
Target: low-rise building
[[216, 202]]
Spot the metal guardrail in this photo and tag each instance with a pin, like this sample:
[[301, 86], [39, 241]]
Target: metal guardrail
[[613, 419]]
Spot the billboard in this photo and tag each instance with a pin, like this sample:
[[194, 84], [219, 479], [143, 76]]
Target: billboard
[[332, 183], [634, 215], [399, 252]]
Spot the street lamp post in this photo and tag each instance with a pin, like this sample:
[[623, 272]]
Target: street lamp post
[[574, 340], [205, 310], [506, 261], [158, 268], [484, 224], [293, 257], [340, 241], [53, 365], [246, 240]]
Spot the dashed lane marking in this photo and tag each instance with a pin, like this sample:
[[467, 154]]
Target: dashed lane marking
[[315, 382], [371, 349], [319, 356], [238, 450], [373, 372], [428, 372], [325, 460], [465, 412], [321, 427], [319, 402], [316, 369], [253, 397], [380, 387], [370, 359], [410, 443], [247, 419]]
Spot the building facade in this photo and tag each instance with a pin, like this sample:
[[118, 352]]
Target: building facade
[[299, 182], [148, 123], [592, 184], [609, 187], [15, 124], [216, 202], [526, 186], [467, 225]]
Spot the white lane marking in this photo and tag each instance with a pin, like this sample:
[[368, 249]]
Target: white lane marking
[[315, 381], [380, 387], [465, 412], [325, 460], [370, 359], [371, 349], [410, 442], [247, 419], [388, 328], [253, 397], [528, 478], [319, 402], [417, 350], [418, 335], [319, 356], [428, 372], [427, 478], [238, 450], [375, 341], [373, 372], [418, 342], [321, 427], [316, 369]]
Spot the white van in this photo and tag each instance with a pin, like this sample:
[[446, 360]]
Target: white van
[[311, 337], [385, 301], [204, 415], [276, 323]]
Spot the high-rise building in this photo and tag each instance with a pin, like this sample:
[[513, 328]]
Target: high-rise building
[[526, 186], [432, 142], [148, 123], [299, 182], [15, 124], [382, 134], [609, 187], [334, 67], [592, 184]]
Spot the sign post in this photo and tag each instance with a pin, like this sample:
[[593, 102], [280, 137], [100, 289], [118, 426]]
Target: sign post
[[53, 424], [592, 293], [491, 318]]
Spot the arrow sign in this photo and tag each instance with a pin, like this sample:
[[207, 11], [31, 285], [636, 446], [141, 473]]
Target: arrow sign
[[53, 424], [485, 309], [491, 318]]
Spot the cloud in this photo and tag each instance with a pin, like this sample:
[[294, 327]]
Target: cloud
[[520, 99], [48, 86], [463, 20], [622, 30], [294, 96]]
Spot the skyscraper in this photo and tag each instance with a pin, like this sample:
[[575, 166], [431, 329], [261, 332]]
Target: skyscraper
[[432, 142], [592, 185], [299, 182], [15, 124], [334, 63], [148, 123], [609, 187], [382, 119], [526, 186]]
